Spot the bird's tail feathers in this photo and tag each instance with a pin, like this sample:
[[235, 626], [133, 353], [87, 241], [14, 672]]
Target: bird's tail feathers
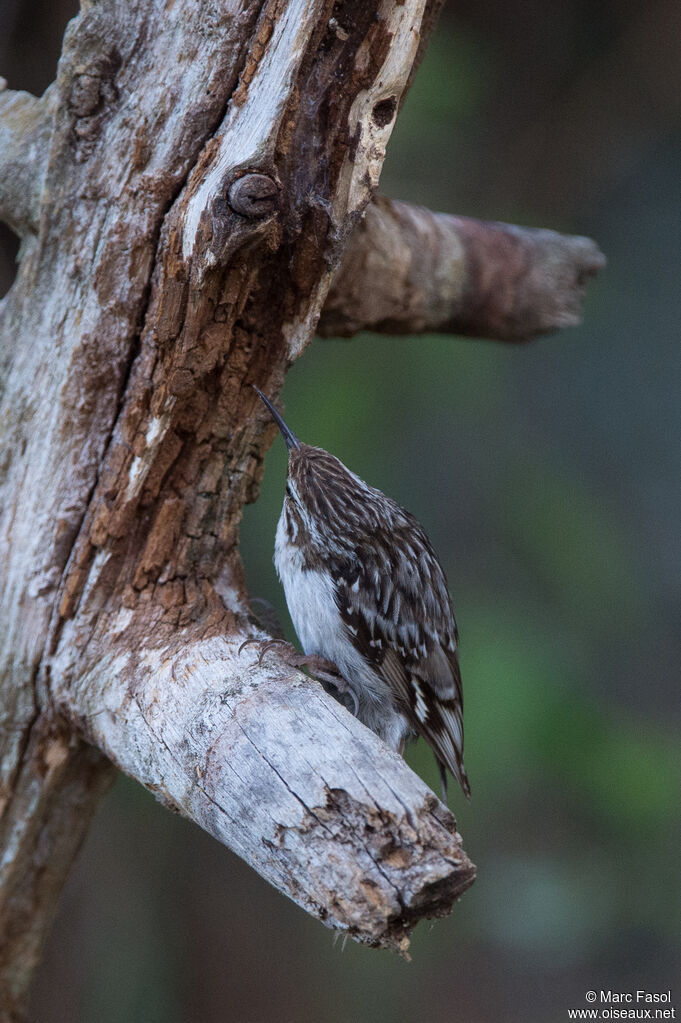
[[458, 771]]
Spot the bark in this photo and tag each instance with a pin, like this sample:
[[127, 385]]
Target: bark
[[184, 193], [270, 765], [407, 270]]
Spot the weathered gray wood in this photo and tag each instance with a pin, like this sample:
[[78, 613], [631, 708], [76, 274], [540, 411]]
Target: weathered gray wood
[[25, 128], [272, 766]]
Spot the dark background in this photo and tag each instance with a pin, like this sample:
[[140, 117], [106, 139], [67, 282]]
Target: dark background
[[548, 479]]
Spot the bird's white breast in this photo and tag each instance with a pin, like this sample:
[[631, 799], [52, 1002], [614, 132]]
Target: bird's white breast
[[312, 605], [310, 599]]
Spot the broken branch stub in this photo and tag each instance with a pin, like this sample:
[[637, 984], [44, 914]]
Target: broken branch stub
[[270, 765], [407, 270], [254, 195]]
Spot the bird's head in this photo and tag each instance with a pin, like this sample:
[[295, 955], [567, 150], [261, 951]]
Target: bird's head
[[318, 486]]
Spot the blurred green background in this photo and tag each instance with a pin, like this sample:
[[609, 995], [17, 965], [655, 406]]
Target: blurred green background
[[547, 477]]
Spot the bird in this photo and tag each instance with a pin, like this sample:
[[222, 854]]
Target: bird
[[369, 602]]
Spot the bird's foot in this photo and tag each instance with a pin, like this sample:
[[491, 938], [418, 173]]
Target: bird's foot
[[320, 668], [327, 672]]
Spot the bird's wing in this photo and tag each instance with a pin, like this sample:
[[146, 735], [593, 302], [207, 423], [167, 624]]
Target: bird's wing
[[393, 599]]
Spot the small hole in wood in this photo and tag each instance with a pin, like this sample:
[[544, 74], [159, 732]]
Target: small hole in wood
[[384, 112]]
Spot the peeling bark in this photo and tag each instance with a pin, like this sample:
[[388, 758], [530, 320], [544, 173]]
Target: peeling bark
[[407, 271]]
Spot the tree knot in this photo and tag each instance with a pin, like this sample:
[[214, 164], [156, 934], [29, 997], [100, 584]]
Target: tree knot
[[254, 195]]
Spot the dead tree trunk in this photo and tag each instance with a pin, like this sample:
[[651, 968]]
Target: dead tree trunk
[[184, 193]]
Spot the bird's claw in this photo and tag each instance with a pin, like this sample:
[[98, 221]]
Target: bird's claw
[[265, 647], [247, 642]]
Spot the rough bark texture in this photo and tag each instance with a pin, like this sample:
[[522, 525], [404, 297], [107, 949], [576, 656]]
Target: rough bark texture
[[271, 766], [407, 270], [184, 193]]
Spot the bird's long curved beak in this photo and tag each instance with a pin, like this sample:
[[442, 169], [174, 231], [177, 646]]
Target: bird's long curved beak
[[288, 435]]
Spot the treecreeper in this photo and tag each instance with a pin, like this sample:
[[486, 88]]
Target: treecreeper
[[370, 604]]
